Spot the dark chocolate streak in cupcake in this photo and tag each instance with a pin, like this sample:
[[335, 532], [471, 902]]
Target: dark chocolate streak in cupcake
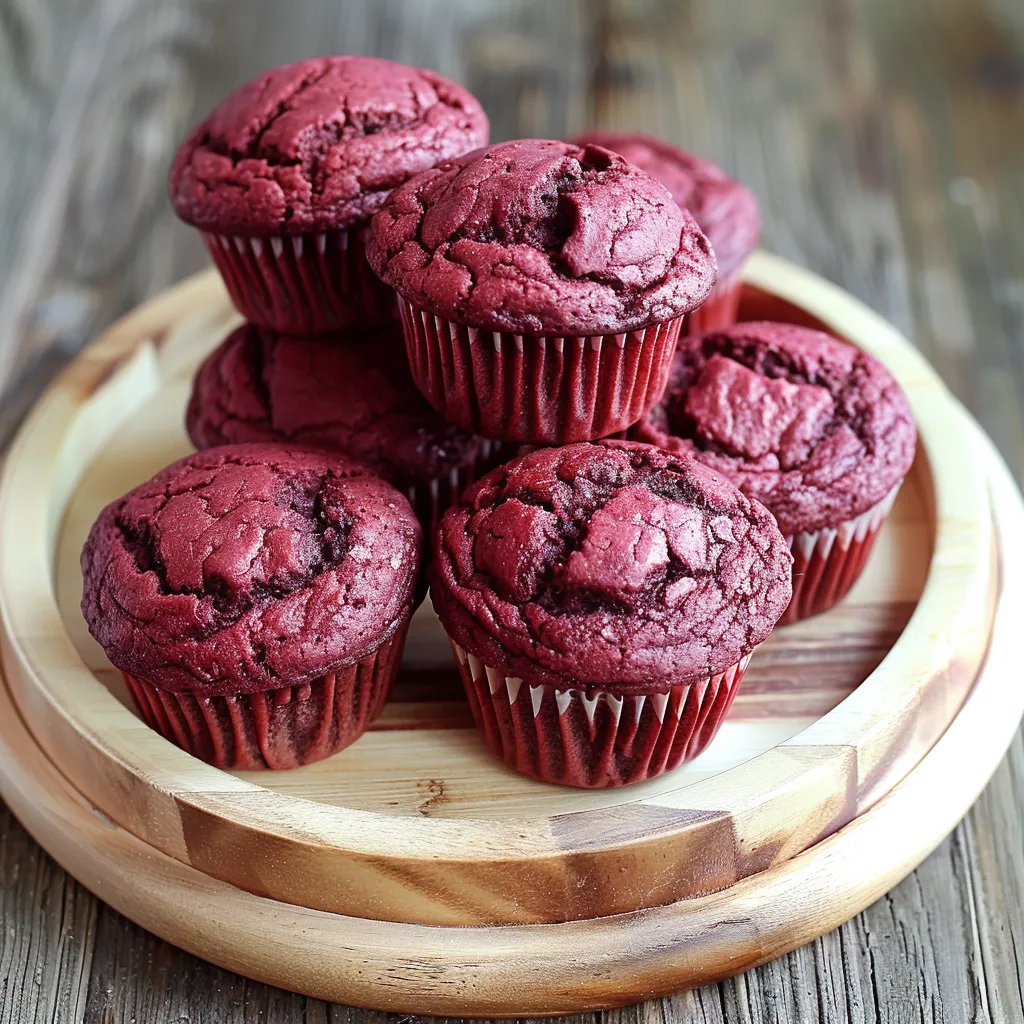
[[319, 144], [348, 392], [541, 237], [250, 567], [612, 563], [724, 208], [809, 425]]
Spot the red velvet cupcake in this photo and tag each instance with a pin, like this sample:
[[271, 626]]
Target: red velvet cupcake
[[725, 209], [283, 177], [349, 393], [810, 426], [541, 286], [256, 598], [602, 601]]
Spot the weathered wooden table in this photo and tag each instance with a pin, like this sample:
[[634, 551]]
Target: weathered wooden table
[[885, 139]]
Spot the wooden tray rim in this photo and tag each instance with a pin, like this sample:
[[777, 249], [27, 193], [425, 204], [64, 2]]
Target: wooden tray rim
[[531, 970], [118, 361]]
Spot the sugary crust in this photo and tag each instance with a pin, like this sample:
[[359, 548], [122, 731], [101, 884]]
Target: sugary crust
[[319, 145], [249, 568], [541, 237], [612, 564], [808, 425], [724, 208]]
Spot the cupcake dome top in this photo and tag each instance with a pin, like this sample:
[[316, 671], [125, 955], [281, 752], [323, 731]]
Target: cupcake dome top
[[318, 145], [614, 563], [541, 237], [812, 427], [725, 208], [250, 567], [348, 392]]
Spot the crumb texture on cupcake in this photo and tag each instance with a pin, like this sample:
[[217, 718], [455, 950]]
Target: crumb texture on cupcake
[[319, 144], [249, 568], [809, 425], [724, 208], [615, 564], [541, 237], [347, 392]]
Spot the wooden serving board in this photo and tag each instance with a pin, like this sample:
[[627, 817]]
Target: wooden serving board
[[530, 970], [416, 824]]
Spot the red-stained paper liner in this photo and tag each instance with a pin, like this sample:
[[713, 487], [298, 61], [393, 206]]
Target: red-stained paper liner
[[718, 310], [535, 389], [303, 284], [589, 737], [826, 563], [281, 728], [432, 498]]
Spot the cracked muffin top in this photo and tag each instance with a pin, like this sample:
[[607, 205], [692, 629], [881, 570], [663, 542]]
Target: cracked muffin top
[[813, 428], [541, 237], [319, 145], [614, 564], [348, 392], [248, 568], [724, 208]]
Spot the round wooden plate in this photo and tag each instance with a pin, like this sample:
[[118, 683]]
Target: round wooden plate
[[415, 823], [530, 970]]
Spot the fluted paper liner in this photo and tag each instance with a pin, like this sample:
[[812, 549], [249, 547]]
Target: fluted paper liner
[[281, 728], [827, 563], [591, 737], [536, 389], [303, 284], [431, 498], [718, 310]]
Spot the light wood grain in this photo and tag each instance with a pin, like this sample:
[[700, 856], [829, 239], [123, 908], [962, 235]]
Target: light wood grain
[[573, 856], [548, 969], [422, 755]]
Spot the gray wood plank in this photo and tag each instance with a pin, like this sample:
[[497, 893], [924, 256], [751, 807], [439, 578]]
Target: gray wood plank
[[90, 159], [137, 978], [46, 939], [994, 856]]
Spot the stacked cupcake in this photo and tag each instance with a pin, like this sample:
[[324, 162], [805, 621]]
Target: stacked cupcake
[[542, 287], [442, 338], [283, 179], [725, 209], [256, 595]]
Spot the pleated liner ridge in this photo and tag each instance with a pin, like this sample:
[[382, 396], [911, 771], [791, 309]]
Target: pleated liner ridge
[[590, 737], [827, 563], [281, 728], [431, 498], [718, 310], [536, 389], [303, 284]]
